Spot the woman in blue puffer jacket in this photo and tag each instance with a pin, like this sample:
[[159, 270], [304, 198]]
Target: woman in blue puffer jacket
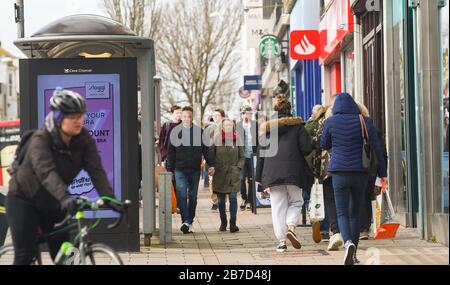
[[343, 133]]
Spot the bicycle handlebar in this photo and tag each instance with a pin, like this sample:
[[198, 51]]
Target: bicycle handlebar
[[125, 206], [86, 204]]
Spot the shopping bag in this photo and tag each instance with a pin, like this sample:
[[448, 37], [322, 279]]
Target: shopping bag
[[316, 204], [262, 200], [174, 199], [386, 225]]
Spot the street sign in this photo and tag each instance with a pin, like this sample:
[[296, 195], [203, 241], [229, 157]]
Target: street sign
[[252, 82], [305, 44], [270, 47]]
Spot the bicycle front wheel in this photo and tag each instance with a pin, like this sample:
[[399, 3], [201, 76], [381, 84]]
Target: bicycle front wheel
[[101, 254]]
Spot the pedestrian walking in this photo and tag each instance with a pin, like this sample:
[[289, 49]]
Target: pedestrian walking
[[283, 173], [184, 159], [217, 116], [166, 129], [247, 129], [319, 160], [344, 134], [229, 159], [366, 206]]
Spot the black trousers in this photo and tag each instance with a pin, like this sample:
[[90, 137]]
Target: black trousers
[[365, 211], [247, 173], [330, 204], [24, 221]]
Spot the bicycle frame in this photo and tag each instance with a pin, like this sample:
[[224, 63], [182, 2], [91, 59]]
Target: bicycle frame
[[80, 246]]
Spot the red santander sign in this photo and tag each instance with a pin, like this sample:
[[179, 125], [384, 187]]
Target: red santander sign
[[305, 44]]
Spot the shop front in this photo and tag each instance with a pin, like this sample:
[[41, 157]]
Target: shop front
[[337, 56], [416, 102], [306, 89]]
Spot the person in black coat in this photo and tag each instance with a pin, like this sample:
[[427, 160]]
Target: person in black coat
[[184, 159], [38, 195], [282, 169]]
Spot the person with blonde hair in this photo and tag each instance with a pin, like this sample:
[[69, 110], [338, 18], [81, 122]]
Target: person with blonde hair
[[319, 160]]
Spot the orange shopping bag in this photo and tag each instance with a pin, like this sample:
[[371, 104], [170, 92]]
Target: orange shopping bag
[[174, 199], [388, 227]]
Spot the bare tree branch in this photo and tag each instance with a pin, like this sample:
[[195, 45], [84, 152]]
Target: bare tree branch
[[195, 49], [194, 40]]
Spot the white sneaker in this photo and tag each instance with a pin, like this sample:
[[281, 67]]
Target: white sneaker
[[191, 228], [282, 246], [336, 242], [350, 250]]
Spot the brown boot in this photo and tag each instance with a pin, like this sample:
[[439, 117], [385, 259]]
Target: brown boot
[[316, 232]]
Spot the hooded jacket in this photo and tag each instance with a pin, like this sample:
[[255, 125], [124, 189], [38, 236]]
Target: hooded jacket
[[342, 133], [50, 166], [286, 165]]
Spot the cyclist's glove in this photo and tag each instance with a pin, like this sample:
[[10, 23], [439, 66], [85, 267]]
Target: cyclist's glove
[[70, 205]]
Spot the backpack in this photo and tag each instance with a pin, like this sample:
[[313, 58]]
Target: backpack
[[21, 151]]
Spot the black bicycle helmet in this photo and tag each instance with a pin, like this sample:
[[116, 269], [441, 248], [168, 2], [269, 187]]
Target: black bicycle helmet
[[68, 102]]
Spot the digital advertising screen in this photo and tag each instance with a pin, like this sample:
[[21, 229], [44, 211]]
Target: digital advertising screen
[[109, 86], [102, 94]]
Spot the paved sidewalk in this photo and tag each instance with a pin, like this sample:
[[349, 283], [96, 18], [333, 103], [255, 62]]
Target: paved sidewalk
[[255, 244]]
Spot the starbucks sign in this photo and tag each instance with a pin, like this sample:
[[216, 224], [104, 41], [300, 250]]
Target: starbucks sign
[[270, 47]]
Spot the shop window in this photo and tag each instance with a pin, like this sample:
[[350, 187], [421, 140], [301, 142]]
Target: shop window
[[373, 66]]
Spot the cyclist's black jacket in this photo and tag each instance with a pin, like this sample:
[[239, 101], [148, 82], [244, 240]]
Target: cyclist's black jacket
[[50, 166]]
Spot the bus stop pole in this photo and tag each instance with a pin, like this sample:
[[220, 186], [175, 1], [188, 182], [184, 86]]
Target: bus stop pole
[[146, 71], [165, 207]]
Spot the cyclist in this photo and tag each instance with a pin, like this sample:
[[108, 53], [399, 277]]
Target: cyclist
[[38, 196]]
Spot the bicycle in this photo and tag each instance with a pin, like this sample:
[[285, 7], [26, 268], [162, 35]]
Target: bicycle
[[81, 251]]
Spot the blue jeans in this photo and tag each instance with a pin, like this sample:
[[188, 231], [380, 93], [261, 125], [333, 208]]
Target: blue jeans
[[348, 193], [233, 206], [186, 184], [306, 195], [206, 177]]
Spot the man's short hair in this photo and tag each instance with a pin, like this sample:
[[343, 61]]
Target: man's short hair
[[174, 108], [221, 111], [245, 109], [188, 108]]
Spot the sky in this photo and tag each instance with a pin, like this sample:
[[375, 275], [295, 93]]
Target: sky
[[39, 13]]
